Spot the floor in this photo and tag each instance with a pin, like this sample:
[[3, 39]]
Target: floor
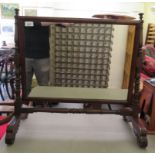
[[75, 133]]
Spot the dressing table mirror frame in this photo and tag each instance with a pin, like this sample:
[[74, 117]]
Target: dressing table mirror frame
[[130, 106]]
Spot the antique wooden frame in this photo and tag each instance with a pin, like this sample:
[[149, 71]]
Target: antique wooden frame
[[129, 109]]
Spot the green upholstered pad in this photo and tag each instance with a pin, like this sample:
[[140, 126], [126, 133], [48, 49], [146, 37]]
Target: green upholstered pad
[[78, 93]]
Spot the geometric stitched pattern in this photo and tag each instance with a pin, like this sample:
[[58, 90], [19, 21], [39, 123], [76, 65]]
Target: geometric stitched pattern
[[80, 55]]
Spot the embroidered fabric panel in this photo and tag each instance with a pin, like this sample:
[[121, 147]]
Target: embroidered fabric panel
[[80, 55]]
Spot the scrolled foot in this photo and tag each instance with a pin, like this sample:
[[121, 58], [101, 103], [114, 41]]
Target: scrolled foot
[[9, 138], [142, 141], [11, 131]]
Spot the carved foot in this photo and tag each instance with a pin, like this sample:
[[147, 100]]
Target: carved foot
[[11, 131], [9, 138], [142, 141], [140, 133]]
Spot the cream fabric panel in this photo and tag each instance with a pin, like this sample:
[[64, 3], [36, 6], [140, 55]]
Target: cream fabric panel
[[80, 55]]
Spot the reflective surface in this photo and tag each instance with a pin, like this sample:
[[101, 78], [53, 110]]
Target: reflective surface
[[79, 55]]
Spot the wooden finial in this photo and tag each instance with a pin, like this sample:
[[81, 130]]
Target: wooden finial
[[141, 16], [16, 12]]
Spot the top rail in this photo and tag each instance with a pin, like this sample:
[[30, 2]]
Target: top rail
[[80, 20]]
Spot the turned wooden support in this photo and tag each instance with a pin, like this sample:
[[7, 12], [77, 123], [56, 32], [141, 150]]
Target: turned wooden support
[[138, 68], [17, 66]]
